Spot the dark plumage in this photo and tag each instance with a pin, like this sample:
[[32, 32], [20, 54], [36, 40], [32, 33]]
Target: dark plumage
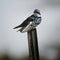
[[26, 22], [35, 19]]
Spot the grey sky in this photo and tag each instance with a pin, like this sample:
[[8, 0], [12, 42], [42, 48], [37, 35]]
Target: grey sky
[[13, 12]]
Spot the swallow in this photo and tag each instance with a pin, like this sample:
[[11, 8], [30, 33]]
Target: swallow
[[31, 22]]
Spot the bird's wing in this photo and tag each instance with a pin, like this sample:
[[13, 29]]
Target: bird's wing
[[26, 22]]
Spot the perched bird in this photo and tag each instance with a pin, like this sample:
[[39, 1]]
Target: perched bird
[[31, 22]]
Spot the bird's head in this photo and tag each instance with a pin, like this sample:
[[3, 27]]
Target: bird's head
[[37, 13]]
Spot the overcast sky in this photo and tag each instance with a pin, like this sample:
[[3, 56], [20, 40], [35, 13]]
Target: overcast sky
[[13, 12]]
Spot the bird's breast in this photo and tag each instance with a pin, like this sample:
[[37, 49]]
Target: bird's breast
[[37, 20]]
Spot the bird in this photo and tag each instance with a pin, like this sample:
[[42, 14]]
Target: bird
[[31, 22]]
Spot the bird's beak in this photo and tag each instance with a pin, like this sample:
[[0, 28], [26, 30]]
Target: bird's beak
[[39, 15]]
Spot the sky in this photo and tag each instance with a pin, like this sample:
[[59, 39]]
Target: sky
[[14, 12]]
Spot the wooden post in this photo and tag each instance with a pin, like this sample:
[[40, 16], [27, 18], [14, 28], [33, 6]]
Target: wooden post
[[33, 45]]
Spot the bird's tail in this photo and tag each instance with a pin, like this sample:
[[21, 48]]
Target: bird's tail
[[16, 27]]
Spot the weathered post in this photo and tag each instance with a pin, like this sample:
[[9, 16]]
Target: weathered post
[[33, 44], [29, 26]]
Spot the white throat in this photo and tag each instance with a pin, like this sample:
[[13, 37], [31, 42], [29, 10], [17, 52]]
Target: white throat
[[36, 14]]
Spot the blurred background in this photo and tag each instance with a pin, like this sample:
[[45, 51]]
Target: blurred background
[[14, 45]]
